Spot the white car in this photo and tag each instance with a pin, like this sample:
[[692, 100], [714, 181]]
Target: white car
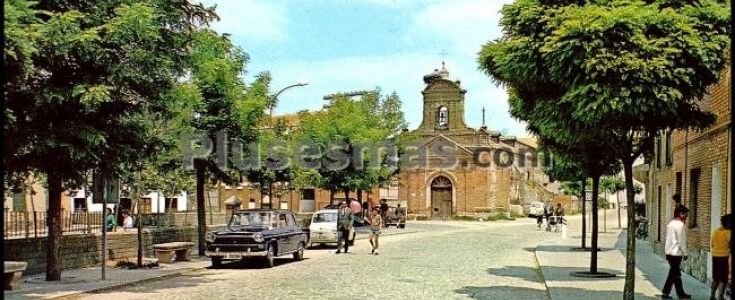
[[535, 209], [323, 228]]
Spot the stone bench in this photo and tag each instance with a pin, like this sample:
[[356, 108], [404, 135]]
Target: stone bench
[[165, 252], [13, 273]]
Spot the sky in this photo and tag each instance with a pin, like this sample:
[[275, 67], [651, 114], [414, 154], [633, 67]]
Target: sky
[[348, 45]]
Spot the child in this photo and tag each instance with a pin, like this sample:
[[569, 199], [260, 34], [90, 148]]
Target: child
[[720, 256]]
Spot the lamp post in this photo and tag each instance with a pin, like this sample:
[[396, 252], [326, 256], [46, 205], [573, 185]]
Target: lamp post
[[274, 98]]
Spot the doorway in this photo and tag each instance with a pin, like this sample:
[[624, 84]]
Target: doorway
[[441, 198]]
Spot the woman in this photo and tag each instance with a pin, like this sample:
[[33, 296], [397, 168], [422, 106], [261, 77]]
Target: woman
[[376, 224], [720, 255], [127, 219]]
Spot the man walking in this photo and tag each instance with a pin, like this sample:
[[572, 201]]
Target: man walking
[[344, 224], [676, 250]]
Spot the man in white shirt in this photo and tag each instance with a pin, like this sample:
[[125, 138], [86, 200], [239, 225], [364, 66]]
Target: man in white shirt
[[676, 250]]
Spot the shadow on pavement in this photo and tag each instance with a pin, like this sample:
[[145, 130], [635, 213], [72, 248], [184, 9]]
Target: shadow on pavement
[[527, 273], [255, 263], [564, 248], [513, 292], [502, 292]]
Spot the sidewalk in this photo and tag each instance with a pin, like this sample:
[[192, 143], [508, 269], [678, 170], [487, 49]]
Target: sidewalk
[[87, 280], [557, 261]]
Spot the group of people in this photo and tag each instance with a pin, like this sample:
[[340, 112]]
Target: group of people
[[111, 220], [553, 216], [345, 222], [676, 251]]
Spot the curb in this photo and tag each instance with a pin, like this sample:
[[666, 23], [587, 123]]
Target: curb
[[541, 274], [128, 284]]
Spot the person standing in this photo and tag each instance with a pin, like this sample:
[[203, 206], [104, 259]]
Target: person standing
[[110, 221], [548, 212], [376, 224], [720, 244], [127, 219], [344, 225], [676, 251]]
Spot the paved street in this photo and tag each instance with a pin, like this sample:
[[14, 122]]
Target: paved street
[[455, 260]]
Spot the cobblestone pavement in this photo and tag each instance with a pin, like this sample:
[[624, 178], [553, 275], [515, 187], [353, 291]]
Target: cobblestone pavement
[[449, 260]]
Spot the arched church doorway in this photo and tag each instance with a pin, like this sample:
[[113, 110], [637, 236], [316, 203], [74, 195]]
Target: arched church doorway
[[441, 198]]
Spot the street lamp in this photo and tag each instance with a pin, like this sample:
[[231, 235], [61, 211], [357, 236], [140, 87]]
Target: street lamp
[[274, 98]]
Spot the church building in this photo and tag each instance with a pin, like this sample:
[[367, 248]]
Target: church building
[[465, 170]]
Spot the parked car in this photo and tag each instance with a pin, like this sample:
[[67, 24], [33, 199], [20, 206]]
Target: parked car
[[395, 217], [323, 228], [535, 209], [259, 233]]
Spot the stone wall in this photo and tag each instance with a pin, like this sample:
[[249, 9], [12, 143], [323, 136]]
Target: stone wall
[[83, 250]]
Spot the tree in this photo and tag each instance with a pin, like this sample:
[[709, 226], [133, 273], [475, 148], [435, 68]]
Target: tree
[[79, 78], [630, 68], [228, 112], [342, 128], [575, 179], [613, 184]]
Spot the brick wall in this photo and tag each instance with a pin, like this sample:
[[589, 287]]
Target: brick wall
[[706, 150], [84, 250]]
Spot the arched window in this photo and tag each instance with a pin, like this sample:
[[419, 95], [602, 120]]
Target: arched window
[[443, 117]]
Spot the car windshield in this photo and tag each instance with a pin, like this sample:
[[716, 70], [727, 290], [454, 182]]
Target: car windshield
[[325, 217], [257, 219]]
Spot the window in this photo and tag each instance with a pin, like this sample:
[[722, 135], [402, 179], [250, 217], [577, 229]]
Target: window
[[172, 204], [443, 118], [282, 221], [669, 149], [80, 204], [18, 200], [145, 205], [307, 194], [291, 221], [678, 183], [693, 195]]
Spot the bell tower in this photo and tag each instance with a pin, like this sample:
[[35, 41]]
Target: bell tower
[[443, 103]]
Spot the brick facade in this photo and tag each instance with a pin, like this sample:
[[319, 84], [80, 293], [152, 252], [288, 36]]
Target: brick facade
[[682, 157]]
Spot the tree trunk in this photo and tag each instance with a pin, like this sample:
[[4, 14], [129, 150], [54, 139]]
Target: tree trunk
[[359, 196], [53, 221], [595, 194], [140, 229], [347, 197], [331, 196], [629, 290], [201, 217], [270, 195], [584, 214]]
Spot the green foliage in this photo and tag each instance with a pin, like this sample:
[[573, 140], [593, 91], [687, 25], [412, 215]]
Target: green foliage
[[82, 76], [612, 184], [370, 120]]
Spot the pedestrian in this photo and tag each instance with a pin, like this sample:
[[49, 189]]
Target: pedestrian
[[127, 219], [344, 225], [676, 251], [548, 212], [376, 224], [110, 221], [720, 256]]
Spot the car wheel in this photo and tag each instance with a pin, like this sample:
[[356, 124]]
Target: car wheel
[[402, 226], [268, 259], [299, 254], [216, 262]]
